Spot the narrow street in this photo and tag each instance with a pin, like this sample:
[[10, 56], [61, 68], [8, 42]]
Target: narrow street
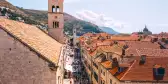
[[74, 69]]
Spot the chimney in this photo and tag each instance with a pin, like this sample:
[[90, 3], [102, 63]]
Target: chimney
[[115, 63], [154, 40], [158, 73], [142, 60], [123, 52]]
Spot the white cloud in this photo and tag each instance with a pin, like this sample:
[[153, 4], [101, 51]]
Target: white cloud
[[101, 20], [71, 1]]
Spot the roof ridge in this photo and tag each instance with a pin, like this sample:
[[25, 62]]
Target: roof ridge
[[138, 52], [128, 70]]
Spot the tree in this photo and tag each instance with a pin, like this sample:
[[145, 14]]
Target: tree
[[3, 11]]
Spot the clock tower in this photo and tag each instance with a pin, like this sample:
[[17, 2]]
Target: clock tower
[[56, 20]]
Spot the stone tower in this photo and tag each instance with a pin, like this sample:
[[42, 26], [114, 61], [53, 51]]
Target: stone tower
[[56, 20], [74, 36]]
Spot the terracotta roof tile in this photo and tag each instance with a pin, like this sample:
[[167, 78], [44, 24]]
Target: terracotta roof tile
[[105, 42], [145, 72], [125, 38], [140, 44], [153, 52], [115, 49], [113, 71], [133, 46], [34, 38], [107, 64], [161, 35], [121, 74]]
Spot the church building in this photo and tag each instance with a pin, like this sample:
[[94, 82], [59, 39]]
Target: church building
[[30, 56]]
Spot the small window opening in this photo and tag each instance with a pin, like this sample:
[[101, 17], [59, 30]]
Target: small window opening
[[143, 59], [57, 24], [53, 25], [57, 9], [53, 9]]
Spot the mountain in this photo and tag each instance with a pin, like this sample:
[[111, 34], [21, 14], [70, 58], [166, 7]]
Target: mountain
[[39, 17], [102, 21], [70, 22], [5, 3], [108, 30]]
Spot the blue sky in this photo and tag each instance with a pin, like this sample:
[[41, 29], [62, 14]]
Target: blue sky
[[122, 15]]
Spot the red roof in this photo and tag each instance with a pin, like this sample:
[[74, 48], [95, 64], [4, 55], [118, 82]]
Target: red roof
[[140, 44], [125, 38], [134, 45], [107, 64], [153, 52], [145, 72]]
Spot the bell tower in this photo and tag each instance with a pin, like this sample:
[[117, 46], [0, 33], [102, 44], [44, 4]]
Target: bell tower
[[56, 20]]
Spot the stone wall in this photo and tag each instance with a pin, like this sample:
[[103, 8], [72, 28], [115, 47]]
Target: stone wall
[[20, 65]]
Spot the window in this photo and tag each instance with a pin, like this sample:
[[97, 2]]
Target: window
[[53, 8], [104, 73], [89, 67], [142, 59], [110, 81], [55, 24], [57, 9], [95, 65], [96, 76]]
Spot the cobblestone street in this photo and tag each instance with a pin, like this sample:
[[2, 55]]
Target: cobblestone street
[[74, 70]]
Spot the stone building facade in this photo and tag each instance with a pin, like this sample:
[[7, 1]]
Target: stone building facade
[[28, 55], [19, 65], [56, 20]]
